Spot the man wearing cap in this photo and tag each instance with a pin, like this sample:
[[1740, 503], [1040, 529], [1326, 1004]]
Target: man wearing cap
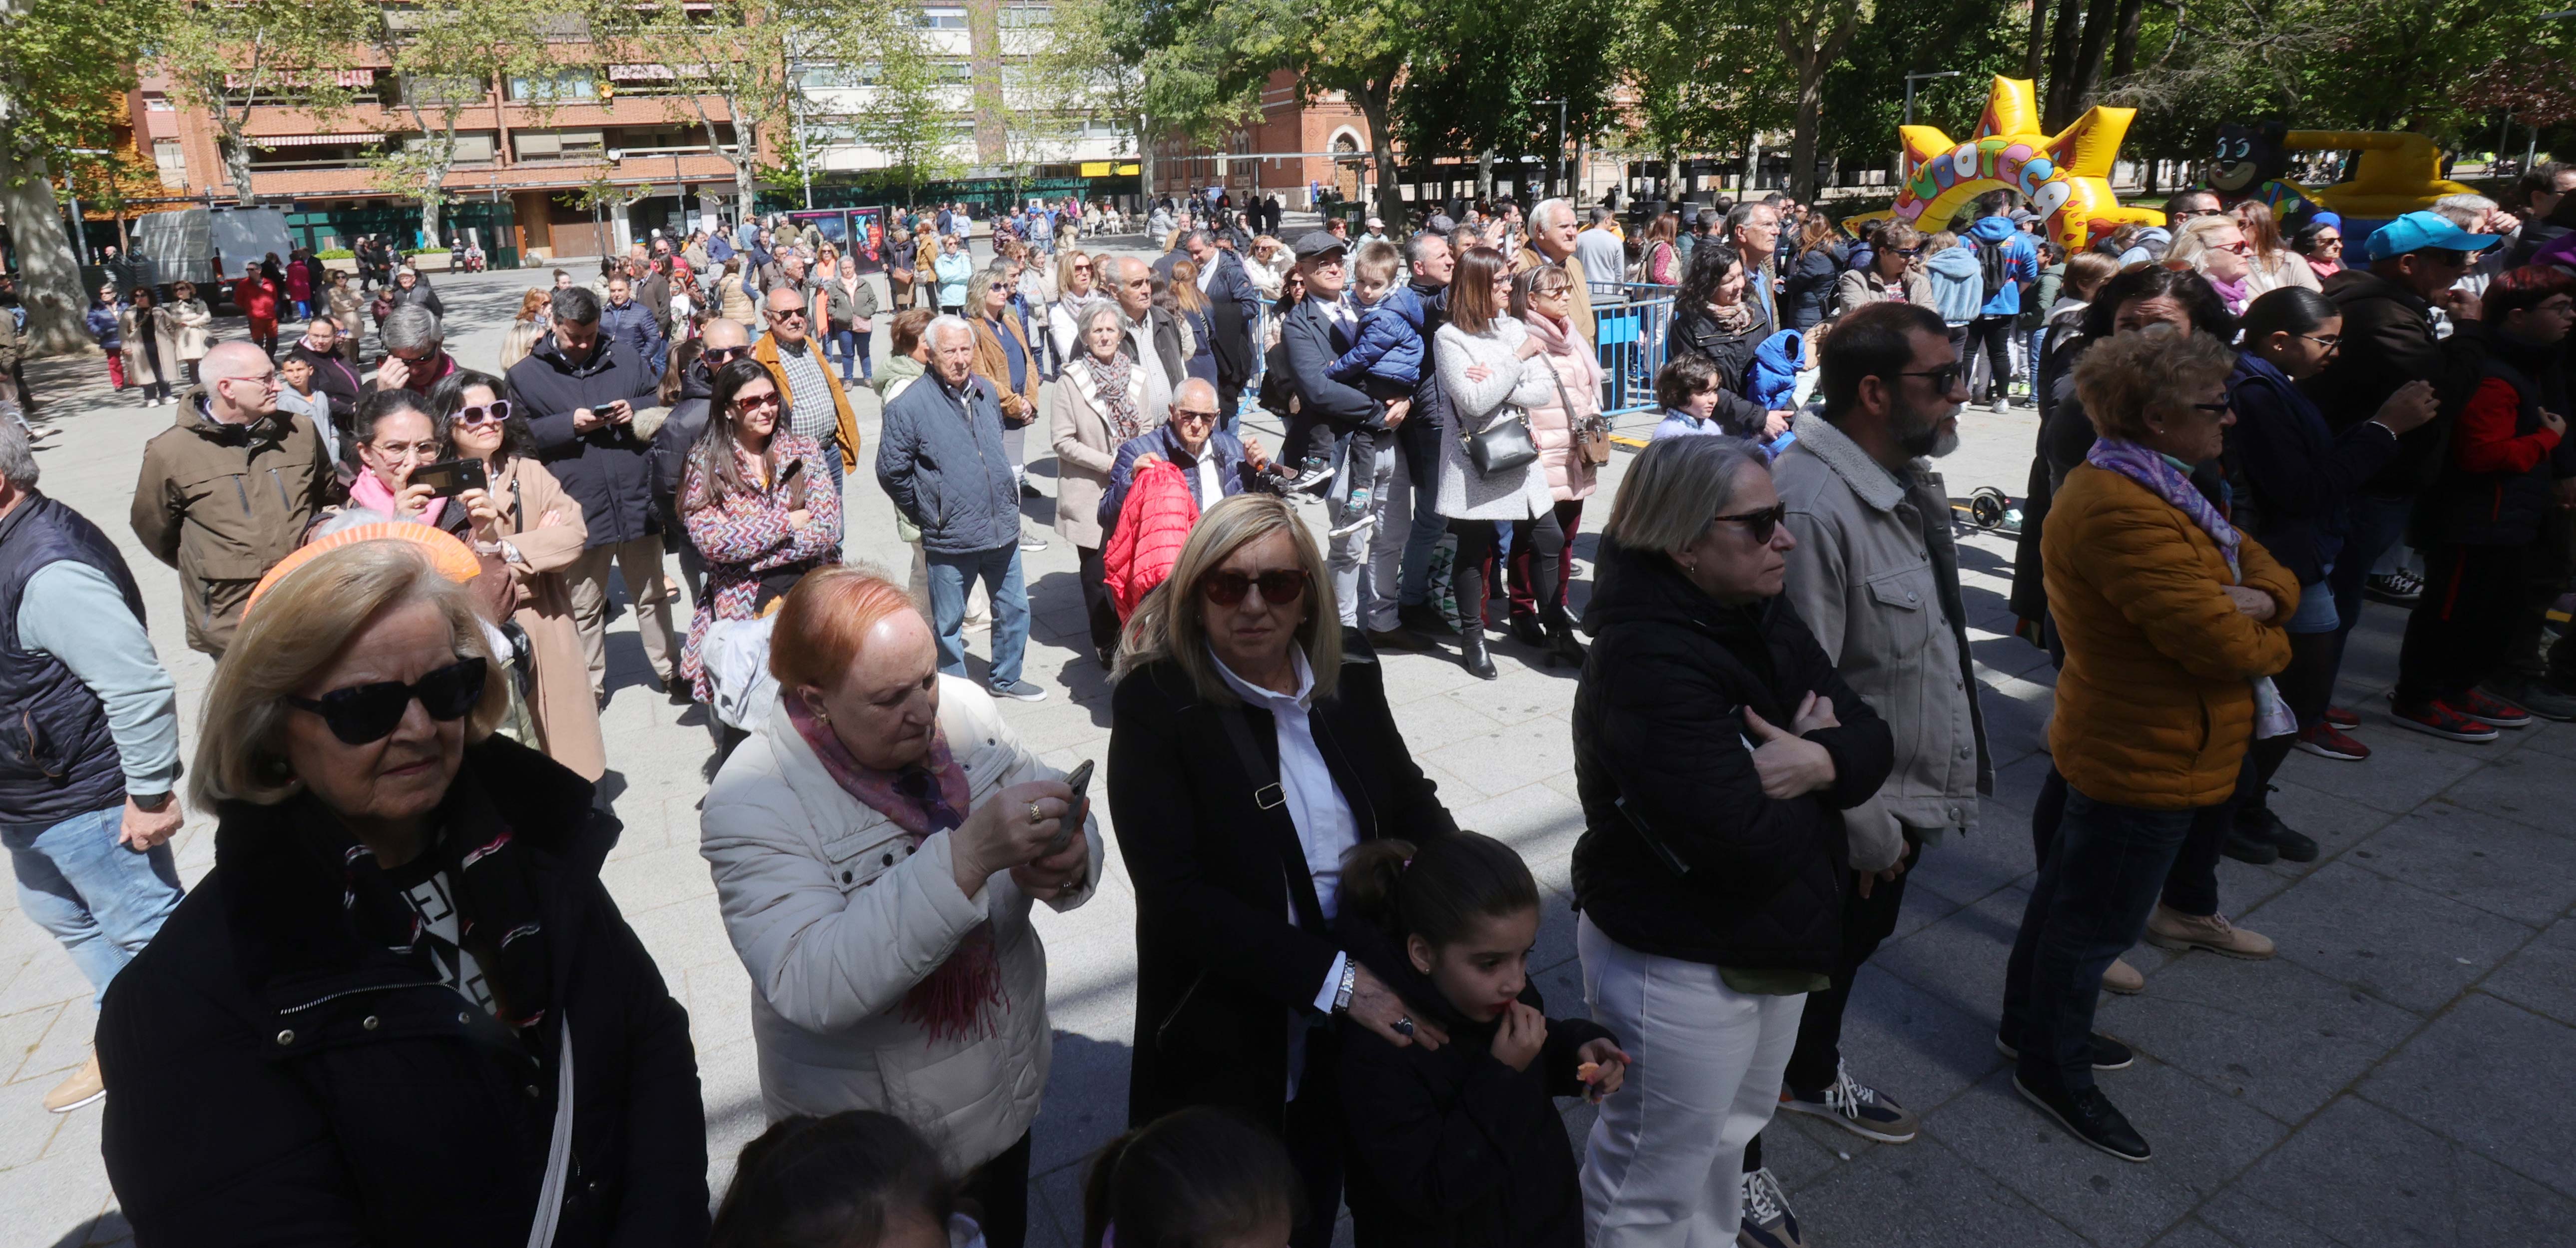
[[1376, 231], [1365, 549], [2389, 344]]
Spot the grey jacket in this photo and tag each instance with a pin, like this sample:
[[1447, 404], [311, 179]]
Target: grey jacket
[[1876, 577], [940, 458]]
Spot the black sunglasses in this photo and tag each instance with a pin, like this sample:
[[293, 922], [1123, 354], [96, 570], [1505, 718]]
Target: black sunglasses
[[361, 714], [1761, 524], [723, 355], [1942, 378], [1279, 586]]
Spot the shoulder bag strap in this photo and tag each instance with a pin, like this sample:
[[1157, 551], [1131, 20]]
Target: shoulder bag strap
[[1268, 795], [550, 1194]]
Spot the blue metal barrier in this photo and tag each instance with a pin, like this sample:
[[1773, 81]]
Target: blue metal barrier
[[1630, 329]]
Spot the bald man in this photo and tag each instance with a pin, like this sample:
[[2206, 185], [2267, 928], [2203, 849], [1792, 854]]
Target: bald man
[[229, 490]]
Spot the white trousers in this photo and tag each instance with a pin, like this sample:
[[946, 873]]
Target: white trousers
[[1366, 563], [1664, 1165]]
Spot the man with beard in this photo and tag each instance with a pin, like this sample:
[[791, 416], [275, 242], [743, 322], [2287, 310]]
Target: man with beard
[[1876, 576]]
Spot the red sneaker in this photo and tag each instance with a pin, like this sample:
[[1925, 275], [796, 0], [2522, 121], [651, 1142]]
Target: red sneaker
[[2488, 709], [2342, 718], [2444, 719], [2328, 741]]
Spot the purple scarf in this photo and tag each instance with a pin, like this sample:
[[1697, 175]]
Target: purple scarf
[[2234, 294], [2272, 716], [955, 1001]]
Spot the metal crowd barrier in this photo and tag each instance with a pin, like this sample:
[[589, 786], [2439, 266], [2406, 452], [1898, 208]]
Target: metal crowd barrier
[[1630, 329]]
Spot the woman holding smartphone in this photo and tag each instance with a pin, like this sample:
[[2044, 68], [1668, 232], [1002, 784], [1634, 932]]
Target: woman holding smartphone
[[878, 845], [750, 501]]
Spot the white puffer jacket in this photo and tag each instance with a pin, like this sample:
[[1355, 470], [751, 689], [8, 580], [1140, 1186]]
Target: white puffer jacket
[[836, 920]]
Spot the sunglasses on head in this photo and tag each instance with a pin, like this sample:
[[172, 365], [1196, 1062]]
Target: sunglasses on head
[[491, 413], [1761, 524], [1279, 586], [361, 714]]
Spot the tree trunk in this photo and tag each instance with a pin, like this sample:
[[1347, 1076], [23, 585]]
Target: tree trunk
[[2101, 17], [1485, 175], [1144, 156], [48, 274], [2124, 53], [2061, 64], [2035, 57], [1802, 139], [1374, 106]]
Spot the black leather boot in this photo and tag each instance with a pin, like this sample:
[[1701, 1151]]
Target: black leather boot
[[1473, 657], [1561, 645]]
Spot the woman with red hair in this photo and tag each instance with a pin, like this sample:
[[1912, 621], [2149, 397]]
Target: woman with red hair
[[877, 846]]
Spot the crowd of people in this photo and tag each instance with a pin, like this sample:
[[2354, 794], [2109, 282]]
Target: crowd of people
[[364, 1026]]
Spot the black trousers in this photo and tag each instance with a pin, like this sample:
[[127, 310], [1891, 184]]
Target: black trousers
[[2456, 637], [1313, 1130], [1098, 605], [1867, 921], [1992, 335], [2549, 570], [1000, 1190]]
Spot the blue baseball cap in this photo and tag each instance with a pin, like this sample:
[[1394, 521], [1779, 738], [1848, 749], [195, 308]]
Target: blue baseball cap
[[2418, 230]]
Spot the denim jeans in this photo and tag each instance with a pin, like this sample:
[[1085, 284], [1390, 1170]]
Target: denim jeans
[[102, 900], [2378, 522], [2089, 904], [950, 577], [1414, 578], [852, 346]]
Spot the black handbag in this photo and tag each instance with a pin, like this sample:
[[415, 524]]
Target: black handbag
[[1503, 445]]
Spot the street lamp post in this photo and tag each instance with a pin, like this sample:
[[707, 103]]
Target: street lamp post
[[1910, 80]]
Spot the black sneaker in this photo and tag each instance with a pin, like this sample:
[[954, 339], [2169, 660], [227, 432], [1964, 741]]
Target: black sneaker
[[2108, 1054], [2268, 828], [1422, 617], [1312, 479], [2400, 588], [682, 693], [2091, 1117], [2244, 847]]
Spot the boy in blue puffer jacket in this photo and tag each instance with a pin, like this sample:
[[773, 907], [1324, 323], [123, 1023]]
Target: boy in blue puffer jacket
[[1385, 361]]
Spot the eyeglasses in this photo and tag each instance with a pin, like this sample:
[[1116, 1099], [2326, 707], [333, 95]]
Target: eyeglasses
[[723, 355], [265, 381], [2220, 406], [360, 714], [2329, 341], [1279, 586], [491, 413], [421, 358], [406, 450], [1761, 524], [1194, 415], [1942, 378], [2240, 247]]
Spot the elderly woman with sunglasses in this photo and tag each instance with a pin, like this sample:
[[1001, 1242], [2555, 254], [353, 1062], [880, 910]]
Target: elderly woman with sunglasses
[[2172, 620], [2216, 248], [756, 502], [377, 1015], [523, 517], [1890, 274], [1715, 749], [1246, 757]]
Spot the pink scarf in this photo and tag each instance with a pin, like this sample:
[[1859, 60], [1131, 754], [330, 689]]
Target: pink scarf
[[374, 495], [1574, 362], [955, 1001]]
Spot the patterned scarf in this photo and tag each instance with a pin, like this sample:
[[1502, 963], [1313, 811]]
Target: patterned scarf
[[1111, 379], [954, 1002], [2272, 715], [496, 898], [1734, 318]]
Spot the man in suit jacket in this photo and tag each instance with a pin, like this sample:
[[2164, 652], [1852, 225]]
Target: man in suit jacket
[[1234, 307], [1368, 532]]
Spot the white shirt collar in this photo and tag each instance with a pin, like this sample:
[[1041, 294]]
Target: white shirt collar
[[1251, 692]]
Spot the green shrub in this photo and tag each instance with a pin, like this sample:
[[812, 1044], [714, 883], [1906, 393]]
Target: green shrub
[[336, 253]]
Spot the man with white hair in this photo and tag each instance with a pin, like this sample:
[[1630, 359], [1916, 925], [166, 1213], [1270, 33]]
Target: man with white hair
[[940, 459], [2479, 215], [1552, 238], [416, 355], [88, 823], [194, 506]]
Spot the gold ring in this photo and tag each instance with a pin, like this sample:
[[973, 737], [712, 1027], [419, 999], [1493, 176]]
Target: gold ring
[[1034, 815]]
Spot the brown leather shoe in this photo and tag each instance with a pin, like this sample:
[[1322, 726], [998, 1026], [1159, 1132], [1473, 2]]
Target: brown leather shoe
[[2123, 979], [2168, 928]]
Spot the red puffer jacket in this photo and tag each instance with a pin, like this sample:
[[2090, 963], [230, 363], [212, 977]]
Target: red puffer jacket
[[1152, 524]]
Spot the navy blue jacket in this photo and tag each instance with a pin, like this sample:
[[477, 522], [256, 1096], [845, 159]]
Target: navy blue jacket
[[634, 325], [1223, 447], [940, 458], [1391, 347], [607, 470], [1310, 346], [2299, 476], [58, 757]]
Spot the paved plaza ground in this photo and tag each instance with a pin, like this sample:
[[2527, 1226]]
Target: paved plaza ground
[[2386, 1080]]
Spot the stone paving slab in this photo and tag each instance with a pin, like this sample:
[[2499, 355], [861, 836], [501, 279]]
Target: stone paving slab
[[2376, 1084]]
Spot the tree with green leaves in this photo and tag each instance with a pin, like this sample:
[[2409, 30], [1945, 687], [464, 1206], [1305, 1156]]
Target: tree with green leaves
[[1812, 35], [1161, 67], [1481, 74], [1706, 78], [747, 55], [910, 111], [1363, 49], [225, 58], [61, 62], [449, 57]]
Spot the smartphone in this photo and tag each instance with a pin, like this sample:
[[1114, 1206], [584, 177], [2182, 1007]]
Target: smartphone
[[450, 477], [1080, 782]]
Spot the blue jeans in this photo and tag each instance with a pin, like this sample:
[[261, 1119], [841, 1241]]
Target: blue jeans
[[102, 900], [2090, 903], [2378, 523], [852, 346], [950, 578]]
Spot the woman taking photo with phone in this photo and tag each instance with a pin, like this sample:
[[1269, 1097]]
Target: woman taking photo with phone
[[751, 503], [1246, 758], [522, 517], [877, 846]]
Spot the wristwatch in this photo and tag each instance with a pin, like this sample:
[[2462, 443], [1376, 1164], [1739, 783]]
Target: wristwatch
[[1342, 993]]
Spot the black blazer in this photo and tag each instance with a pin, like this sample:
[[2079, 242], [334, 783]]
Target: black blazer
[[1311, 346], [1221, 968]]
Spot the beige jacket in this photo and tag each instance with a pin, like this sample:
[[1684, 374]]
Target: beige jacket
[[837, 916], [1876, 577], [187, 321], [1086, 448], [544, 530]]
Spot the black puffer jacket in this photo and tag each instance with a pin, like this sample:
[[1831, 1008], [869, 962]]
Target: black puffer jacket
[[1451, 1147], [607, 470], [1695, 332], [1731, 877], [282, 1080], [677, 437]]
